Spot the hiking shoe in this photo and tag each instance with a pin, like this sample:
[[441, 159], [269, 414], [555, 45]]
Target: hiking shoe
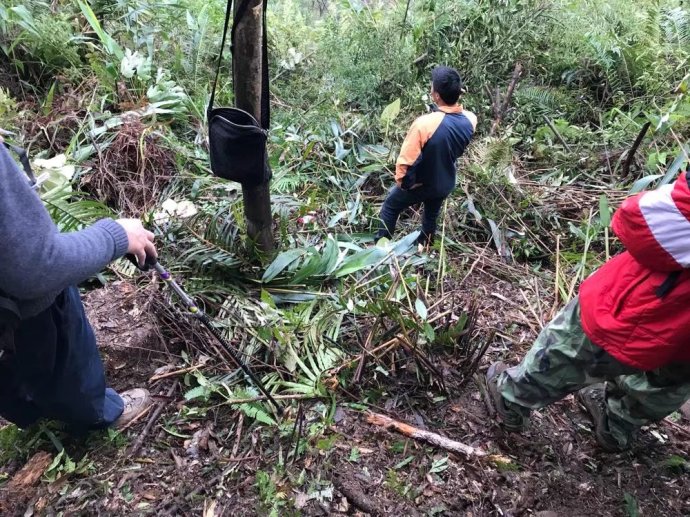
[[510, 419], [593, 399], [136, 402]]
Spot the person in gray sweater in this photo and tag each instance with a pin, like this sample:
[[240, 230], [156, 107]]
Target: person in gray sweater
[[54, 369]]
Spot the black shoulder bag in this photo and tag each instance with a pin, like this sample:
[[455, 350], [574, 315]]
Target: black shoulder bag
[[237, 142]]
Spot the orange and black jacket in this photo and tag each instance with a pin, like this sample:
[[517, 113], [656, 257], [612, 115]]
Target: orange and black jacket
[[432, 145]]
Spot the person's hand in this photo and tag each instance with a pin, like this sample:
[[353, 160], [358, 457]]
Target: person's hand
[[140, 240]]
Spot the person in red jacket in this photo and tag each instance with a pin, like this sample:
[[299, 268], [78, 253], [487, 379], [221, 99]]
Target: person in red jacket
[[624, 343]]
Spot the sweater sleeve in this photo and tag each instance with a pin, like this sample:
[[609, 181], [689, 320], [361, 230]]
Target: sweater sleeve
[[35, 258]]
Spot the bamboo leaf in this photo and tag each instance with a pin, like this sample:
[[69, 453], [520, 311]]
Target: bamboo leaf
[[109, 44], [643, 183], [421, 309], [360, 260], [604, 211], [330, 255], [280, 263], [313, 266], [390, 112], [677, 165]]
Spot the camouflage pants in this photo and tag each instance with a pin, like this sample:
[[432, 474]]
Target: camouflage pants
[[563, 360]]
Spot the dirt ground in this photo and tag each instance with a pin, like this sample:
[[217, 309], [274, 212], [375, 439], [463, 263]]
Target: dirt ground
[[216, 462]]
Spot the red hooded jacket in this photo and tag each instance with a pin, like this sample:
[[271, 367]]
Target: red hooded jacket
[[637, 305]]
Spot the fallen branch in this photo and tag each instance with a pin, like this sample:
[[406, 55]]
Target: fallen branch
[[152, 420], [424, 436], [31, 472], [679, 428], [276, 397], [174, 373]]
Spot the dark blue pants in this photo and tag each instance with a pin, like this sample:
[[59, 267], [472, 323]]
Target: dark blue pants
[[399, 199], [56, 371]]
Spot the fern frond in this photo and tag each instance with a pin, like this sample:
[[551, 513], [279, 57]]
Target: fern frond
[[70, 211]]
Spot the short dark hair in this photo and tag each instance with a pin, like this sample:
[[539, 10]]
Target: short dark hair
[[447, 83]]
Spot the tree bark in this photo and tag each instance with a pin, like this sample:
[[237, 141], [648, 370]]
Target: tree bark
[[246, 72]]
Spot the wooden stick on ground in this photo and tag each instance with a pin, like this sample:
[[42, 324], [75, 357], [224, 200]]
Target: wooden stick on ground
[[425, 436], [152, 420]]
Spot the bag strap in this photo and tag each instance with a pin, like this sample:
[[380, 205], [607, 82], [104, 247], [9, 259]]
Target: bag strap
[[265, 89], [24, 159], [668, 284], [8, 305], [228, 10]]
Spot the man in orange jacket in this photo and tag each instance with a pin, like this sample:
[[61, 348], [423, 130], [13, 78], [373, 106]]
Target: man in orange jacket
[[623, 343], [425, 169]]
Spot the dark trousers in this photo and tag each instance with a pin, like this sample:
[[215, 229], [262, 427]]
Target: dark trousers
[[56, 371], [399, 199]]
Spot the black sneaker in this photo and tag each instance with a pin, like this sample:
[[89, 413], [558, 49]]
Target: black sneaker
[[593, 400], [511, 420]]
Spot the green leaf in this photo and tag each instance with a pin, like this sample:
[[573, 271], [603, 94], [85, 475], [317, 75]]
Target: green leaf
[[390, 112], [197, 393], [439, 465], [48, 103], [109, 44], [280, 263], [315, 265], [360, 260], [643, 183], [604, 211], [26, 19], [258, 413], [631, 509], [678, 164], [420, 308], [404, 462], [404, 244], [330, 255]]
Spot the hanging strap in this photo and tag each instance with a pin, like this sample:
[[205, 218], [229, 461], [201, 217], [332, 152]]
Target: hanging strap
[[668, 284], [24, 159], [228, 10], [265, 90]]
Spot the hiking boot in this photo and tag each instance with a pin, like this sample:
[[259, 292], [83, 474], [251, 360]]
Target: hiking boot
[[136, 402], [510, 419], [593, 399]]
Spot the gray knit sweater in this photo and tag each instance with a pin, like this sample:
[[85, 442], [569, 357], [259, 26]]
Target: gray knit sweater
[[36, 260]]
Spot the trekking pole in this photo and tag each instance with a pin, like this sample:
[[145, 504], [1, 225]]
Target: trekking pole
[[200, 315]]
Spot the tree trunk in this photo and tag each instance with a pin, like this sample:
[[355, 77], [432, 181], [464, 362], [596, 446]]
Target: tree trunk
[[246, 72]]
